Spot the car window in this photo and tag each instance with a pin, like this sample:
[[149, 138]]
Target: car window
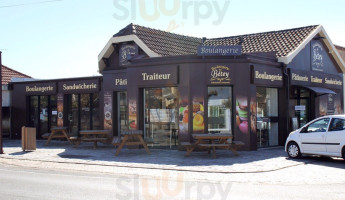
[[337, 124], [318, 126]]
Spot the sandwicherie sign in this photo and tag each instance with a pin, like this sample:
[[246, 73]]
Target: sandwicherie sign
[[91, 85]]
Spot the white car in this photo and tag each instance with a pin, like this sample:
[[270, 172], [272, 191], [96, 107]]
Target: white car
[[323, 136]]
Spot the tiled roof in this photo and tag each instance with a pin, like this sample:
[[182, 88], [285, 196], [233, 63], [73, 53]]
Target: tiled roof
[[8, 73], [162, 42], [168, 44], [283, 42]]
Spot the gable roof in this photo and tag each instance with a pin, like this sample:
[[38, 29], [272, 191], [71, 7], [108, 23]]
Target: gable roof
[[155, 43], [162, 42], [8, 73], [282, 42]]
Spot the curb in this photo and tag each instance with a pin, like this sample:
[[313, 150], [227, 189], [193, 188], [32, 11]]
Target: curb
[[157, 168]]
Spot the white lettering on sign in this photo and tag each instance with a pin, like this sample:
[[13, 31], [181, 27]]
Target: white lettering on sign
[[297, 77], [155, 76], [120, 81], [83, 86], [333, 82], [39, 89], [271, 77], [315, 79]]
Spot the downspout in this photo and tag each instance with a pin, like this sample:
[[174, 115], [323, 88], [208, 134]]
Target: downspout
[[285, 71]]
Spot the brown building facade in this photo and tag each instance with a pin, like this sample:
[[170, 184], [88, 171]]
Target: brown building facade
[[257, 87]]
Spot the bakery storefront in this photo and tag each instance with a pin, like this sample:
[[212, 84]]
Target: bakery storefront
[[316, 85], [183, 85], [73, 103], [191, 94]]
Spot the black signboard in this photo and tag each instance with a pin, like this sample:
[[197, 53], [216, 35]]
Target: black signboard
[[115, 81], [126, 52], [167, 75], [220, 74], [298, 77], [234, 50], [330, 104], [317, 55], [267, 76], [79, 86], [40, 88], [315, 79]]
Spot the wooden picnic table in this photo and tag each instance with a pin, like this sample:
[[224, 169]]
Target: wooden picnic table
[[211, 142], [94, 136], [125, 140], [58, 132]]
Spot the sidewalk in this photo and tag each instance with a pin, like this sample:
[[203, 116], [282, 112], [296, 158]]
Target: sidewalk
[[263, 166], [263, 160]]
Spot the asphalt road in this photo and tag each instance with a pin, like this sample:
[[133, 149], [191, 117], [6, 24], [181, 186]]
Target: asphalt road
[[28, 183]]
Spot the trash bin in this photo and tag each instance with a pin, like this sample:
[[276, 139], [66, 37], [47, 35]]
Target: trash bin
[[28, 138]]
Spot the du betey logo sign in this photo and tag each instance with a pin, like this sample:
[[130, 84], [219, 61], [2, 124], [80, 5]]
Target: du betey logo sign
[[220, 74]]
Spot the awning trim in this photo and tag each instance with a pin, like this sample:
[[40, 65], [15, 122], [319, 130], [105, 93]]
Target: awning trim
[[320, 91]]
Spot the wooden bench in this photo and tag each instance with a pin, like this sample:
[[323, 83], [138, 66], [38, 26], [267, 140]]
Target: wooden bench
[[57, 132], [130, 138], [116, 141], [189, 147], [148, 140], [234, 146], [56, 135], [214, 145]]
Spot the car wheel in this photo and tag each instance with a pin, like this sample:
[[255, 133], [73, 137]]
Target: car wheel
[[343, 151], [293, 150]]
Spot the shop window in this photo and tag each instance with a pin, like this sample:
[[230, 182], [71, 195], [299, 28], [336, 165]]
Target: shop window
[[96, 121], [53, 107], [161, 116], [267, 116], [82, 112], [219, 109], [33, 111], [85, 112]]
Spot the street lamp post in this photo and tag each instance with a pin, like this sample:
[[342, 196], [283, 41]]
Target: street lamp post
[[1, 149]]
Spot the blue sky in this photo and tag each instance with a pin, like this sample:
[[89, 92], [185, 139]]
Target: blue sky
[[49, 39]]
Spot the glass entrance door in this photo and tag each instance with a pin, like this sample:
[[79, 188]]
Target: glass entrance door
[[301, 104], [267, 116], [72, 121], [161, 116], [42, 113], [121, 114]]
